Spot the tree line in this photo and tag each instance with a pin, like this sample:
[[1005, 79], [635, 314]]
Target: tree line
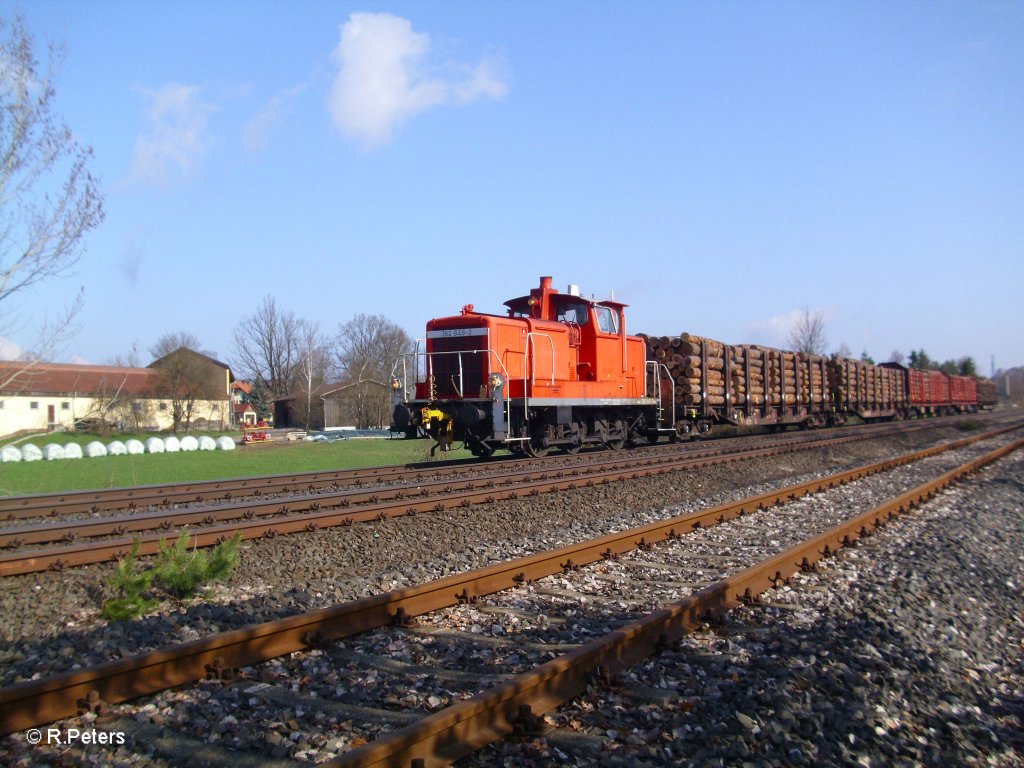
[[808, 336], [286, 356]]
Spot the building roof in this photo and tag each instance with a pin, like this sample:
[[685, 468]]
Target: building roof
[[185, 350], [243, 386], [21, 378]]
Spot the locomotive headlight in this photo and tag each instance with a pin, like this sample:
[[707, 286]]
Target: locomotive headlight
[[496, 380]]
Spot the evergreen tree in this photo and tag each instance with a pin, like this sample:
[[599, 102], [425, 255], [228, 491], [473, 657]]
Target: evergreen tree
[[258, 398]]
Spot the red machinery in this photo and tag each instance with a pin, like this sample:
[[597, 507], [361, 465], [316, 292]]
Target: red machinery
[[557, 370]]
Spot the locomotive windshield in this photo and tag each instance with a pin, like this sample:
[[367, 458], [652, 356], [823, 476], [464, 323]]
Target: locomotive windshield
[[607, 320], [573, 312]]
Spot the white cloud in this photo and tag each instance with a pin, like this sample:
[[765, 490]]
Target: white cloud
[[256, 132], [175, 136], [774, 331], [383, 78], [9, 350]]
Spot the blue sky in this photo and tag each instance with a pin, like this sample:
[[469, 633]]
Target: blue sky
[[718, 165]]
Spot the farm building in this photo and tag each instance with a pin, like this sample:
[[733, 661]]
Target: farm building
[[48, 397]]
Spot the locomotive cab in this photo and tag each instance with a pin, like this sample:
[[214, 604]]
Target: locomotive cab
[[558, 370]]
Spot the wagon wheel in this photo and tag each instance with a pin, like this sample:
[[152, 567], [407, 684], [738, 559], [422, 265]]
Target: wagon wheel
[[535, 449]]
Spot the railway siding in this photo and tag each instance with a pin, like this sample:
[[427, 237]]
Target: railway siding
[[829, 507]]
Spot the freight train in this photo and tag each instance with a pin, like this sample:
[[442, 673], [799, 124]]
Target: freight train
[[559, 371]]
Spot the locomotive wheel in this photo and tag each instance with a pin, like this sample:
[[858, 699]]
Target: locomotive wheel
[[481, 450], [579, 429], [619, 441]]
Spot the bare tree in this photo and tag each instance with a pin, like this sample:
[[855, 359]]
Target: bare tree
[[267, 347], [808, 332], [312, 364], [366, 348], [173, 341], [843, 351], [48, 198], [129, 360]]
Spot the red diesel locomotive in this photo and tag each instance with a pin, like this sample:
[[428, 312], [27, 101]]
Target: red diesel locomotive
[[558, 370]]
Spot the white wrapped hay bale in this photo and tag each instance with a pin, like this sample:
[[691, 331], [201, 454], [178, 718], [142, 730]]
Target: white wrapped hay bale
[[207, 443], [135, 447], [172, 444], [189, 443], [116, 448], [72, 451], [95, 449], [154, 445], [53, 452], [225, 443], [31, 453], [10, 453]]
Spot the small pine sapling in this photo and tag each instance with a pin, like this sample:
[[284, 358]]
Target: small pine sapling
[[130, 584], [182, 572]]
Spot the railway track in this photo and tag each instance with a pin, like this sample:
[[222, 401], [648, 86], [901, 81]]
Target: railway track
[[531, 633], [93, 502], [54, 545]]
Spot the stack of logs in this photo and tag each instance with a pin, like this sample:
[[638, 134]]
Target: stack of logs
[[856, 384], [697, 366]]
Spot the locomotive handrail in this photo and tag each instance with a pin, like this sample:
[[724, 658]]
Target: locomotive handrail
[[506, 400], [656, 369], [533, 369]]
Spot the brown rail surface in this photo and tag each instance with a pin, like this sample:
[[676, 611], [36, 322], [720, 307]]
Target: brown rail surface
[[252, 519], [140, 497], [466, 726], [31, 703]]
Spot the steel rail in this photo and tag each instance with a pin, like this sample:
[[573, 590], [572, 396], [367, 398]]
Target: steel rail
[[464, 727], [31, 703], [47, 532], [19, 507], [473, 492]]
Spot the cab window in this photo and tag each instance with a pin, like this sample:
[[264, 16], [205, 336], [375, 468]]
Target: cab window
[[607, 320], [573, 312]]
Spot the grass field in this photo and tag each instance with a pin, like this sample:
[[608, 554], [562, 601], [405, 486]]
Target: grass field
[[251, 461]]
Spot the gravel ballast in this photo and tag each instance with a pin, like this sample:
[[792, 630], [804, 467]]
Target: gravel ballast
[[51, 621], [907, 649], [284, 576]]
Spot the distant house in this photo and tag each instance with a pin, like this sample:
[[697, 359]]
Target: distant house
[[47, 397], [290, 411], [364, 403], [242, 411]]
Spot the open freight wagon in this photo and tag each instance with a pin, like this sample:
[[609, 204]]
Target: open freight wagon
[[717, 383]]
